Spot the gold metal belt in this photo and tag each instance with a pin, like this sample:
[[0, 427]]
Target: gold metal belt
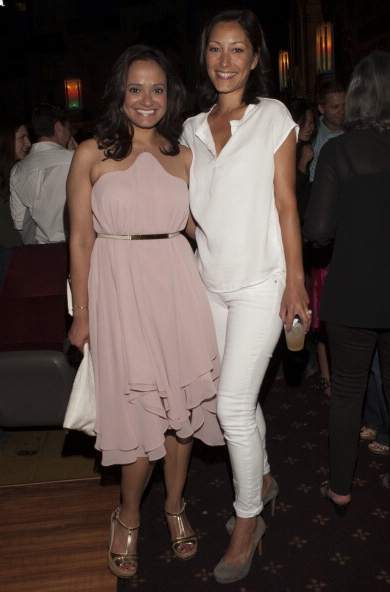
[[138, 236]]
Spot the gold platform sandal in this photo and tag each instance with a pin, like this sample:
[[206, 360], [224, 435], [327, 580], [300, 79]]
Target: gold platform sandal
[[117, 561], [182, 539]]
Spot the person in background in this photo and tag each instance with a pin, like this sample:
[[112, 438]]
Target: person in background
[[14, 145], [242, 196], [38, 183], [295, 365], [330, 103], [375, 413], [350, 207], [305, 115], [138, 297]]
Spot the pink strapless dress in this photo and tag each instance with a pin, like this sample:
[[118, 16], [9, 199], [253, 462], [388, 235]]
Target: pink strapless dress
[[153, 344]]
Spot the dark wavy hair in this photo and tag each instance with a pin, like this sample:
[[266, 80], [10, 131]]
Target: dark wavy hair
[[8, 129], [114, 131], [298, 110], [259, 80], [367, 103]]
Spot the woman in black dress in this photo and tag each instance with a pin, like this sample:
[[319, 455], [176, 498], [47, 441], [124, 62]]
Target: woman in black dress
[[350, 206]]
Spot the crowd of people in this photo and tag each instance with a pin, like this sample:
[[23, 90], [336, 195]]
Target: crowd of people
[[33, 180], [288, 206]]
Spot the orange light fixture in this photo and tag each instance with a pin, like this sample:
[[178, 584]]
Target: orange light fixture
[[284, 66], [325, 49], [73, 93]]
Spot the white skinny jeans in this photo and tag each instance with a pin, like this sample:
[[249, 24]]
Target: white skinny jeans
[[248, 327]]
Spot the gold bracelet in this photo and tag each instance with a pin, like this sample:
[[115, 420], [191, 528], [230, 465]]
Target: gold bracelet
[[79, 307]]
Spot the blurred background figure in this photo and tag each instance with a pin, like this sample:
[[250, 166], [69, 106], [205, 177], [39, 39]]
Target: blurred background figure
[[375, 413], [330, 104], [295, 365], [38, 194], [305, 114], [14, 145], [350, 207]]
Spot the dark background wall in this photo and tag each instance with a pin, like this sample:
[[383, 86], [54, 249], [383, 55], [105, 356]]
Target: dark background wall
[[42, 42]]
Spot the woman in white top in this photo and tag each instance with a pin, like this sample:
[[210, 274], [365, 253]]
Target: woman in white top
[[242, 192]]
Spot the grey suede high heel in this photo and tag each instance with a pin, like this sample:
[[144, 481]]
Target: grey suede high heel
[[270, 497], [226, 574]]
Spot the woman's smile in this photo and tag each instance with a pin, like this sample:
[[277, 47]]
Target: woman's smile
[[230, 57]]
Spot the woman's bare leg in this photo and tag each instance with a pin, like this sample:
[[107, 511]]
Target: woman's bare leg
[[175, 465], [135, 478]]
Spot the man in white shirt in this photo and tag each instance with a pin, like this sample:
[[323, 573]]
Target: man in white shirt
[[331, 99], [38, 182]]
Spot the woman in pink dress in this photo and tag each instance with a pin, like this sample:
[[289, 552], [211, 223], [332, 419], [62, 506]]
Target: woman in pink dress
[[138, 298]]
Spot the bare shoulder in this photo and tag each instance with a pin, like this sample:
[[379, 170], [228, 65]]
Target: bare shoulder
[[186, 155], [88, 161], [88, 151]]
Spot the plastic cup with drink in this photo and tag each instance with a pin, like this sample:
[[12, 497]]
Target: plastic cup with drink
[[295, 338]]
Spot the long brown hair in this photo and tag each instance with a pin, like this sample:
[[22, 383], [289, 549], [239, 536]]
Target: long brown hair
[[8, 129], [114, 131]]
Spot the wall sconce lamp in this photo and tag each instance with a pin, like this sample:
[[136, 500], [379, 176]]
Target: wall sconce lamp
[[284, 66], [325, 49], [73, 94]]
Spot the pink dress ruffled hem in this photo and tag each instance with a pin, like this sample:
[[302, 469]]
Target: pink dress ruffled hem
[[153, 343]]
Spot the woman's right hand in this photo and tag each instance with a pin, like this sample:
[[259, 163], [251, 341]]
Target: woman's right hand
[[79, 332], [306, 156]]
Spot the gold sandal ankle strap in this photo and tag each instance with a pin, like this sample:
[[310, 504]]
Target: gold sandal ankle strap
[[129, 528], [178, 514], [182, 539]]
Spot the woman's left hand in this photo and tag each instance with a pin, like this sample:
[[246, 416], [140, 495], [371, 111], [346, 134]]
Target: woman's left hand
[[295, 301], [72, 144]]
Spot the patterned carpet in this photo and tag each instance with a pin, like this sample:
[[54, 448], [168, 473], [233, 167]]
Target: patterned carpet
[[306, 546]]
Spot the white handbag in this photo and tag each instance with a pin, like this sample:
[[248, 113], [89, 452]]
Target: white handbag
[[81, 411]]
